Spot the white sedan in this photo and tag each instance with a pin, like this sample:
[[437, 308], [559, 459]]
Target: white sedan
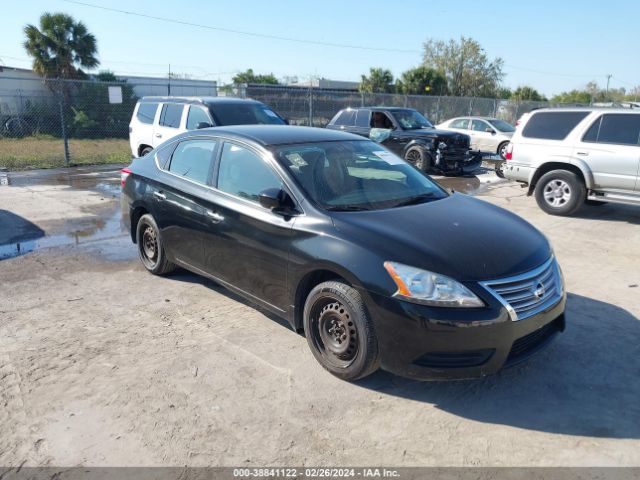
[[487, 134]]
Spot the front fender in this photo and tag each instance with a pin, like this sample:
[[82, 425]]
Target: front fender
[[427, 143]]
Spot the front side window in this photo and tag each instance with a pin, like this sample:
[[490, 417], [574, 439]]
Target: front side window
[[356, 175], [620, 129], [411, 119], [244, 114], [502, 126], [244, 174], [171, 115], [552, 125], [461, 123], [197, 115], [346, 118], [479, 126], [147, 112], [193, 159]]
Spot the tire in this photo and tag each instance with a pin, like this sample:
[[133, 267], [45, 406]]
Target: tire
[[502, 150], [150, 249], [500, 169], [339, 331], [145, 150], [420, 159], [560, 192]]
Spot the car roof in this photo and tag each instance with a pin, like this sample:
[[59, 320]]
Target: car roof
[[267, 135], [588, 109], [199, 100], [391, 109], [472, 117]]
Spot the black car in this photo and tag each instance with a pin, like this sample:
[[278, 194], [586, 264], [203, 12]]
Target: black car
[[376, 263], [407, 133]]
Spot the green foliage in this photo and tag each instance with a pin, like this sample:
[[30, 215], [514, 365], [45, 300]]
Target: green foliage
[[504, 93], [379, 80], [573, 96], [60, 46], [527, 93], [466, 66], [422, 81], [249, 77]]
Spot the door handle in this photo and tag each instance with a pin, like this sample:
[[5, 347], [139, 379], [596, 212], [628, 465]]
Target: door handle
[[158, 135], [584, 154], [160, 195], [215, 216]]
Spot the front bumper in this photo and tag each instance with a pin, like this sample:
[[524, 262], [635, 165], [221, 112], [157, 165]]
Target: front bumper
[[461, 164], [427, 343]]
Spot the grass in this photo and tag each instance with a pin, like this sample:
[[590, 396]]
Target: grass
[[45, 151]]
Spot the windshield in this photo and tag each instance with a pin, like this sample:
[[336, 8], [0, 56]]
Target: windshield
[[244, 114], [502, 125], [411, 120], [356, 175]]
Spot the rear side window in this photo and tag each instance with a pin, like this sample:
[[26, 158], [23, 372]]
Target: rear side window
[[346, 117], [620, 129], [552, 125], [171, 115], [197, 115], [147, 112], [460, 123], [363, 117], [193, 159]]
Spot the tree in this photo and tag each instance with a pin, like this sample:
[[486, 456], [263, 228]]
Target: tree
[[422, 81], [379, 80], [504, 93], [249, 77], [574, 96], [466, 66], [527, 93], [60, 47]]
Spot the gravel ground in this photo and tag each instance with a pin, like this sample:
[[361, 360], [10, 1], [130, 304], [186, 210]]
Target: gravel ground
[[102, 364]]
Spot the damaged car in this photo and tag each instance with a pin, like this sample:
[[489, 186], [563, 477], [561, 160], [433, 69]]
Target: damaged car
[[409, 134]]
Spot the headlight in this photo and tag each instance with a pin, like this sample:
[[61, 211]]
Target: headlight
[[428, 288], [442, 146]]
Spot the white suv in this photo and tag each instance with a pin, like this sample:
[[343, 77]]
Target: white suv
[[571, 156], [157, 119]]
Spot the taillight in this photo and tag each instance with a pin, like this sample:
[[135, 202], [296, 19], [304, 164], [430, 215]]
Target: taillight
[[509, 154], [124, 174]]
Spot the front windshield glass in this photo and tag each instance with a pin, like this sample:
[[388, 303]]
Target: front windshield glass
[[356, 175], [244, 114], [502, 125], [411, 120]]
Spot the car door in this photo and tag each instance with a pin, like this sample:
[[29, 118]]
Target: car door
[[197, 115], [181, 215], [481, 135], [169, 123], [247, 245], [394, 138], [610, 148], [459, 125]]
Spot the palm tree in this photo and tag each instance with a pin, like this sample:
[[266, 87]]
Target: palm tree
[[60, 46]]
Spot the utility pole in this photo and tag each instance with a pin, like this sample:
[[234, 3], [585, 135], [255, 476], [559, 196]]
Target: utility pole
[[606, 93], [169, 82]]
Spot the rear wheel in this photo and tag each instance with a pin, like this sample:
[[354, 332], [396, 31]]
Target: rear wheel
[[150, 248], [502, 150], [339, 331], [560, 192]]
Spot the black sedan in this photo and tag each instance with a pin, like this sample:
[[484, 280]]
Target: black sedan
[[376, 263]]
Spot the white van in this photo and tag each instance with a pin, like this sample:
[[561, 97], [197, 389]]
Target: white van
[[157, 119]]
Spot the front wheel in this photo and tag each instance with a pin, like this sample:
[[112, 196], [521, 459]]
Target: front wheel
[[418, 158], [150, 247], [339, 331], [560, 192]]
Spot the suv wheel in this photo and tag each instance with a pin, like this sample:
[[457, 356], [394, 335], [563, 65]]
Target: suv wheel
[[418, 158], [145, 151], [560, 192], [339, 331]]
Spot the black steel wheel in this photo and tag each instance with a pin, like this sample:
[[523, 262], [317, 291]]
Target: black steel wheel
[[150, 249], [339, 331]]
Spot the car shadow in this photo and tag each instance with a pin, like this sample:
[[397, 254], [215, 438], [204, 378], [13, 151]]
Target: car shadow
[[584, 383], [614, 212], [17, 234]]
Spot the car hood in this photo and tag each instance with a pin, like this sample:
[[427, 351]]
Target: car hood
[[462, 237]]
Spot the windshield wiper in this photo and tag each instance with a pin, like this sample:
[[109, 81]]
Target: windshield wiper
[[347, 208], [422, 198]]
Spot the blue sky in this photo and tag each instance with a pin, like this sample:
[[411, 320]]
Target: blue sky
[[550, 45]]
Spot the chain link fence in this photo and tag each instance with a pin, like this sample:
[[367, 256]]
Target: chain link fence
[[47, 123]]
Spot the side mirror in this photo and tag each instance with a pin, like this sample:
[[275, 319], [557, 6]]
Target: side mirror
[[276, 199], [490, 130], [203, 125]]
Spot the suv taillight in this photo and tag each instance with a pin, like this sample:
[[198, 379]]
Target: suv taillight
[[124, 174], [509, 154]]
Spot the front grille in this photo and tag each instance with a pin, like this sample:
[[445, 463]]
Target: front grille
[[530, 293], [465, 359], [531, 342]]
